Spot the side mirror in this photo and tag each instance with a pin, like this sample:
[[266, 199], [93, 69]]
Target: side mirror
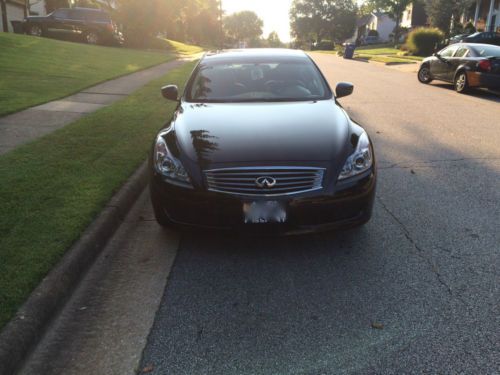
[[344, 89], [170, 92], [440, 58]]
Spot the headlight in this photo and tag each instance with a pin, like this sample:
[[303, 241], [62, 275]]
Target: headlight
[[167, 165], [360, 161]]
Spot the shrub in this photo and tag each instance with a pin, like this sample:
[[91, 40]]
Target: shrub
[[324, 45], [424, 41], [469, 28]]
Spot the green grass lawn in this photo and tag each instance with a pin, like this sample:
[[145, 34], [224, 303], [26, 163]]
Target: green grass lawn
[[37, 70], [384, 53], [181, 48], [52, 188]]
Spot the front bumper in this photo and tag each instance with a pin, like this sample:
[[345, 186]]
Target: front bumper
[[350, 205]]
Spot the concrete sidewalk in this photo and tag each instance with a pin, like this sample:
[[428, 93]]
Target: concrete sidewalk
[[32, 123]]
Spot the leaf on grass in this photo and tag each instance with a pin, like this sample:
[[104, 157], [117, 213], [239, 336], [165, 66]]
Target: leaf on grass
[[376, 325]]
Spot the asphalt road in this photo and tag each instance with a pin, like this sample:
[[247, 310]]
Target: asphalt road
[[414, 291]]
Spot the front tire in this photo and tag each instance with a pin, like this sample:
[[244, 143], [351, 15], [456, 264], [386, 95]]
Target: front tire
[[461, 82], [92, 38], [160, 215], [35, 30], [424, 74]]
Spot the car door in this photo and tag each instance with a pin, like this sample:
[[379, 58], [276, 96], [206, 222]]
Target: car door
[[496, 39], [442, 66], [58, 24], [77, 20], [455, 61]]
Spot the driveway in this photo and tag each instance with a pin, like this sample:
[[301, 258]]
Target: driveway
[[414, 291]]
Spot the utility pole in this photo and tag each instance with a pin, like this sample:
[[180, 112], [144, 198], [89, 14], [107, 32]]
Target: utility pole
[[221, 26], [3, 9]]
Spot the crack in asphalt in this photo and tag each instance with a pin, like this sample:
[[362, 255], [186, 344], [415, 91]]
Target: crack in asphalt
[[417, 164], [421, 253]]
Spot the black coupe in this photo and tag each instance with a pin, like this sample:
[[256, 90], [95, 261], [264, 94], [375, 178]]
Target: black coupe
[[258, 140], [465, 65]]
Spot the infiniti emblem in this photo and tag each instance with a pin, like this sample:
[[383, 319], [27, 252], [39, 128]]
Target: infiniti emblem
[[265, 182]]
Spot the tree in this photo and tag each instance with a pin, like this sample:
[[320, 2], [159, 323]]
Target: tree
[[243, 26], [441, 12], [51, 5], [395, 9], [87, 4], [366, 8], [3, 10], [315, 20], [273, 40], [194, 21]]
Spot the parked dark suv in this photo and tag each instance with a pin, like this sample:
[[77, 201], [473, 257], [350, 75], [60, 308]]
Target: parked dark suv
[[489, 37], [94, 26]]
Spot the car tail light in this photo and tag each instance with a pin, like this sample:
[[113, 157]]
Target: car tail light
[[485, 65]]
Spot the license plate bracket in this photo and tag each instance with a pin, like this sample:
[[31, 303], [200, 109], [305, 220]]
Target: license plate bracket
[[264, 212]]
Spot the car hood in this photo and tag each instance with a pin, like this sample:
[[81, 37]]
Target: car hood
[[210, 134], [36, 18]]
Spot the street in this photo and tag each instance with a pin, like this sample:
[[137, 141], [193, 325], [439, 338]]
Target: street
[[416, 290]]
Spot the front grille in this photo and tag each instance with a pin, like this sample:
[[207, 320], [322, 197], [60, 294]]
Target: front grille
[[248, 181]]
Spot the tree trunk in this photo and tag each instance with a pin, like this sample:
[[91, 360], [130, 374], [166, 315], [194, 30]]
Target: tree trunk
[[396, 29], [3, 9]]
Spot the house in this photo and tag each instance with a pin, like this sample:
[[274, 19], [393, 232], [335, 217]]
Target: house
[[16, 10], [383, 24], [414, 16], [487, 15], [37, 8], [380, 22], [11, 10]]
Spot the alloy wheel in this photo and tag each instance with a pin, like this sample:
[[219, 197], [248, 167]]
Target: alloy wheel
[[461, 82], [424, 75], [35, 30], [92, 38]]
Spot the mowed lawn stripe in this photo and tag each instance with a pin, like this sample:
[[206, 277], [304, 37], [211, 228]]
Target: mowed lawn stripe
[[37, 70], [52, 188]]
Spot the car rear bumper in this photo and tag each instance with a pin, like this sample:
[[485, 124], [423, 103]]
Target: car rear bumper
[[485, 80], [349, 206]]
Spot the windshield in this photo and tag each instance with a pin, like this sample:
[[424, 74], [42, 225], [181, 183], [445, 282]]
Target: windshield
[[488, 51], [297, 80]]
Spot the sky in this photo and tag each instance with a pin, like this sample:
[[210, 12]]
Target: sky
[[274, 13]]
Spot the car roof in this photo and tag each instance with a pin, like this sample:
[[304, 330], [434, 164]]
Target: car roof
[[252, 54], [477, 45], [89, 9]]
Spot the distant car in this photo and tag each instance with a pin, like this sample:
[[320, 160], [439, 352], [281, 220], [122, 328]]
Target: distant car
[[489, 37], [457, 38], [95, 26], [464, 65], [259, 141], [371, 40], [324, 45]]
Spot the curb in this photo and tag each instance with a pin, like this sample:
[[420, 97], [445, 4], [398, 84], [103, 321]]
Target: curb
[[25, 330], [400, 63]]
